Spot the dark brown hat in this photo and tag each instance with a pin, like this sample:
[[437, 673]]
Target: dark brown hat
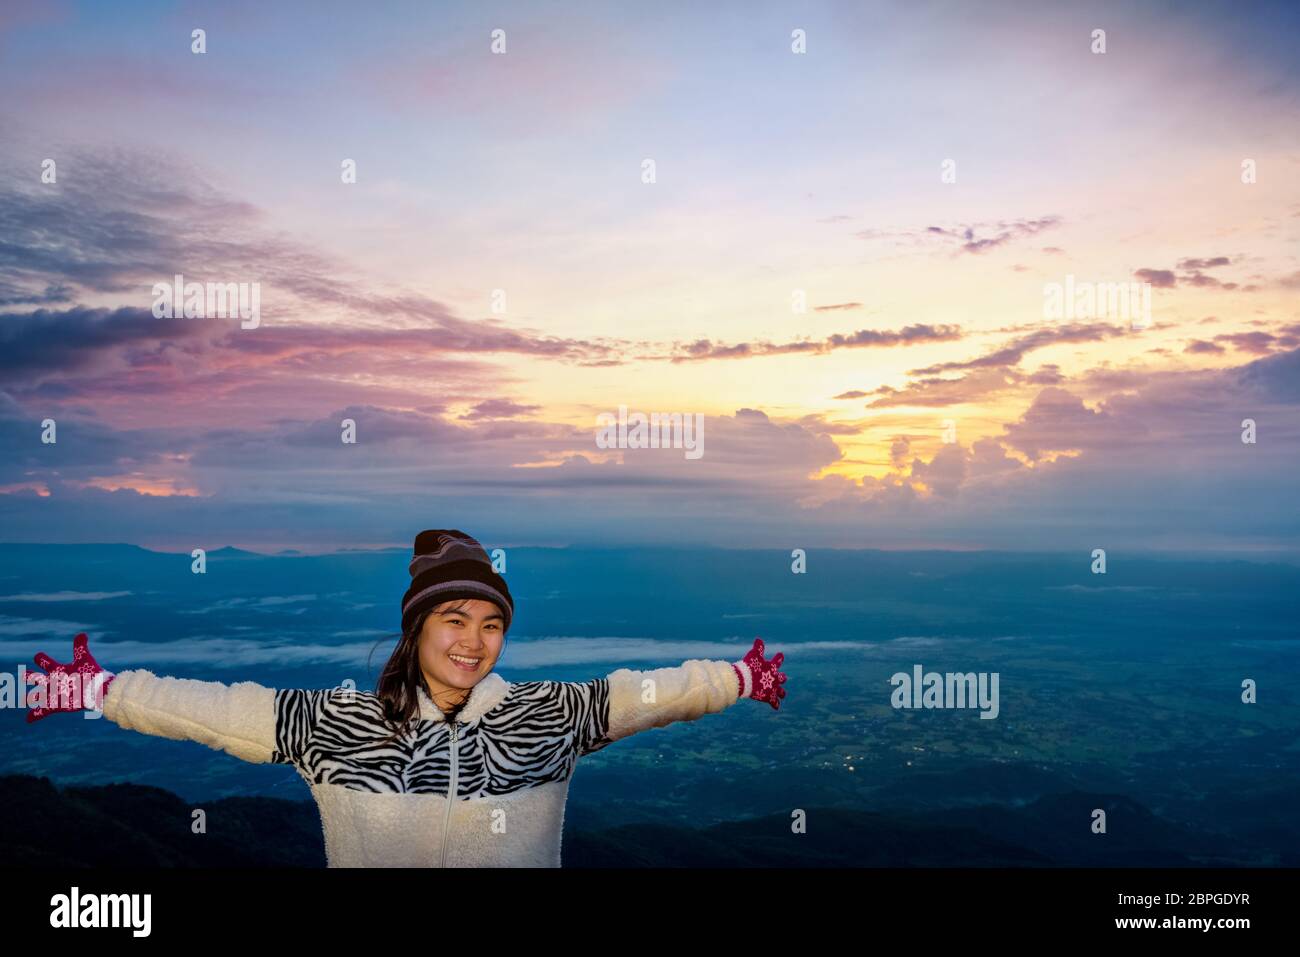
[[449, 564]]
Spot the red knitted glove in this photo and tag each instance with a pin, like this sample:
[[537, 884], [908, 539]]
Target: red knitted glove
[[761, 678], [60, 694]]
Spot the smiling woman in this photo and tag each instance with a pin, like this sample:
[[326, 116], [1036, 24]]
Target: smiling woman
[[447, 764], [449, 650], [455, 615]]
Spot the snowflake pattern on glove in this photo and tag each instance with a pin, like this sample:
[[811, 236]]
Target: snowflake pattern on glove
[[766, 676], [61, 681]]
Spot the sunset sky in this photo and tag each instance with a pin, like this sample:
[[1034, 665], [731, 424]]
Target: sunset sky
[[775, 172]]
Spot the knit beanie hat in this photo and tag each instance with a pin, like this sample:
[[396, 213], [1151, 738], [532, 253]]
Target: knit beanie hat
[[448, 564]]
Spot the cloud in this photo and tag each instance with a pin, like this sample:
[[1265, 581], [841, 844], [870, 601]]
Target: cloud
[[1160, 278], [126, 221], [44, 342], [983, 383], [989, 458], [548, 651], [12, 295], [1005, 233], [1193, 275], [1260, 343], [277, 474], [945, 472], [818, 425], [1047, 374], [704, 349], [500, 409], [1152, 466], [1201, 280], [62, 596], [1149, 463], [276, 650], [1058, 421], [85, 447], [1039, 338], [899, 450], [1272, 379], [41, 626], [970, 238], [297, 650]]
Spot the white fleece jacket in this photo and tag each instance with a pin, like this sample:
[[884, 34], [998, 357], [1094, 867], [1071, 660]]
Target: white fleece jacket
[[487, 790]]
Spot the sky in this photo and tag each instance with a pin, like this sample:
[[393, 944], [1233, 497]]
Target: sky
[[840, 262]]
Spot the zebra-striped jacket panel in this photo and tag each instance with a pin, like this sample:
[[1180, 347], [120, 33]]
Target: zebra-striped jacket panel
[[531, 733]]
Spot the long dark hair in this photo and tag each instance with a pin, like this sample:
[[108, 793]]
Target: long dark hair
[[400, 681]]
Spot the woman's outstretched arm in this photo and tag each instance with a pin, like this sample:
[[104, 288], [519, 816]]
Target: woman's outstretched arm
[[628, 701], [252, 722], [247, 720], [238, 719]]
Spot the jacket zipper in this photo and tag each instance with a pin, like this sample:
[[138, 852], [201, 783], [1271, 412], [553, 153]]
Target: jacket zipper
[[451, 794]]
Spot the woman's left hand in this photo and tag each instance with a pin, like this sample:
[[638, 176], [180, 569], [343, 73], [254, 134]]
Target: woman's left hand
[[765, 676]]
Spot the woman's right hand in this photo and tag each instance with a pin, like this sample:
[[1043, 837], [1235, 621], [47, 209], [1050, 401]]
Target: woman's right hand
[[79, 686]]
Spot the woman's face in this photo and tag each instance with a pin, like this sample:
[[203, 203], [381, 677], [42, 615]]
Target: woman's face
[[460, 643]]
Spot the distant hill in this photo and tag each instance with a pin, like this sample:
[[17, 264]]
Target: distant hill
[[150, 827], [142, 826]]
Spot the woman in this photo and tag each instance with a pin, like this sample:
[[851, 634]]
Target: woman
[[445, 764]]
